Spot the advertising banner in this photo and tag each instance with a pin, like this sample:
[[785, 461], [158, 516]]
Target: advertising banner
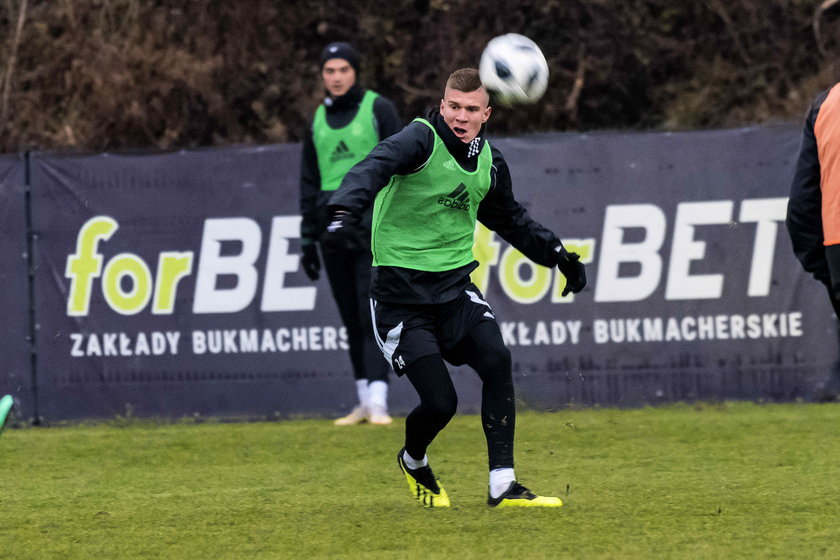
[[15, 349], [169, 283], [693, 289]]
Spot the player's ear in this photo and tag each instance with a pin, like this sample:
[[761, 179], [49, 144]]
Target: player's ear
[[486, 116], [441, 105]]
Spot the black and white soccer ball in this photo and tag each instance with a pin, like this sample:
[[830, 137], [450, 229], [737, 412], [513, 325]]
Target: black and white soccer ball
[[514, 70]]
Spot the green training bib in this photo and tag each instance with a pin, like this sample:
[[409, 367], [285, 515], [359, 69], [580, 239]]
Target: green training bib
[[339, 149], [426, 220]]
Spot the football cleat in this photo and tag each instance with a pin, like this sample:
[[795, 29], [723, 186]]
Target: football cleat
[[518, 496], [379, 416], [5, 408], [359, 415], [423, 484]]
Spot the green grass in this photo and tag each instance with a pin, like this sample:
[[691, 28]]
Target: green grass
[[737, 480]]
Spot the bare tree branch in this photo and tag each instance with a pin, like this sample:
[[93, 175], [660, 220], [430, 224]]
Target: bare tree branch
[[821, 9], [720, 9], [417, 92], [577, 86], [10, 68]]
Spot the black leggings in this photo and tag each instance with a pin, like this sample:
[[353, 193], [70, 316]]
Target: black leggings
[[483, 350], [348, 272]]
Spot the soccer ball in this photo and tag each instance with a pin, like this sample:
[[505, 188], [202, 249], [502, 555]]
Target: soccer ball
[[513, 69]]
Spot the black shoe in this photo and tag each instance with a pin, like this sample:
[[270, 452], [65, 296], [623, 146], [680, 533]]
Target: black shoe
[[518, 496], [423, 484]]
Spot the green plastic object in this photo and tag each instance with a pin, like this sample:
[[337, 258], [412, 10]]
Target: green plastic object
[[5, 407]]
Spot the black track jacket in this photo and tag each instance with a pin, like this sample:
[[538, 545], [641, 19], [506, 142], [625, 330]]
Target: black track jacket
[[407, 152]]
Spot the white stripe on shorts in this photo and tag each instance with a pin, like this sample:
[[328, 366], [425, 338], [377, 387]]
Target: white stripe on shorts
[[389, 345], [476, 299]]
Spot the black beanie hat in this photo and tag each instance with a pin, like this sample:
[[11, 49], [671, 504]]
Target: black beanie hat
[[341, 50]]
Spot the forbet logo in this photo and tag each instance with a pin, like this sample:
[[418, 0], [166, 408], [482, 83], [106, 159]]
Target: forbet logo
[[128, 284]]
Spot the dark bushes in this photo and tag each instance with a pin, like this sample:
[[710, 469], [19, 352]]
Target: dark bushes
[[112, 74]]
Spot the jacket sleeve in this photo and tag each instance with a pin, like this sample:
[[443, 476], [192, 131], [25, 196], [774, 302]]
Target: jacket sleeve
[[804, 212], [400, 154], [387, 119], [500, 212], [310, 188]]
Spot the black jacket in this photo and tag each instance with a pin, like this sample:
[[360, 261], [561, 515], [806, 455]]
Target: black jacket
[[339, 112], [407, 152], [804, 215]]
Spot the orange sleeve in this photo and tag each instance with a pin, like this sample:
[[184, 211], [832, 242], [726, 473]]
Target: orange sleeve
[[827, 132]]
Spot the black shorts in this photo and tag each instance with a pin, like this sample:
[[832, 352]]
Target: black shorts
[[406, 333]]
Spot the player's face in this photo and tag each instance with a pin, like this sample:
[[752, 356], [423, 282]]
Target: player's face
[[465, 112], [338, 76]]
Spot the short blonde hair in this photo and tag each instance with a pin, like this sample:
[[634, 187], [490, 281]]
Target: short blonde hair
[[465, 79]]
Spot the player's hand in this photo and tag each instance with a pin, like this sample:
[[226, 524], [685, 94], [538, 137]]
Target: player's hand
[[343, 231], [574, 271], [309, 260]]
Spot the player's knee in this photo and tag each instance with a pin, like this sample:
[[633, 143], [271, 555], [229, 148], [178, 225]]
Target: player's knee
[[496, 362], [444, 406]]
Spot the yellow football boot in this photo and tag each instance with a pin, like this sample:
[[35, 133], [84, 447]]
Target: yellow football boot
[[518, 496], [423, 484]]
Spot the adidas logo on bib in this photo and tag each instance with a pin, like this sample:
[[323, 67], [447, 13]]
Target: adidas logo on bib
[[459, 199], [341, 152]]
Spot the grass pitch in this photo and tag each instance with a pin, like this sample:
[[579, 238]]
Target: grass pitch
[[736, 480]]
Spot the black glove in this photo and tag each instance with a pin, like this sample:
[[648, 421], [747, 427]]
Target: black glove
[[309, 260], [574, 271], [343, 232]]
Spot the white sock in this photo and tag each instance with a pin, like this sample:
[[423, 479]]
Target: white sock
[[378, 391], [413, 463], [363, 392], [500, 480]]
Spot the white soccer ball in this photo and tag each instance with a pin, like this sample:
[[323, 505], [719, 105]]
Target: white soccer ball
[[513, 69]]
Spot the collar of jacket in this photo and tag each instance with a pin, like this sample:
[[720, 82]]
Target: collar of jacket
[[349, 100], [464, 154]]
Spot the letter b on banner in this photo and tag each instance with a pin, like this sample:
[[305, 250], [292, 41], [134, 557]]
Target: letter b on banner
[[241, 267], [212, 264], [615, 251]]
